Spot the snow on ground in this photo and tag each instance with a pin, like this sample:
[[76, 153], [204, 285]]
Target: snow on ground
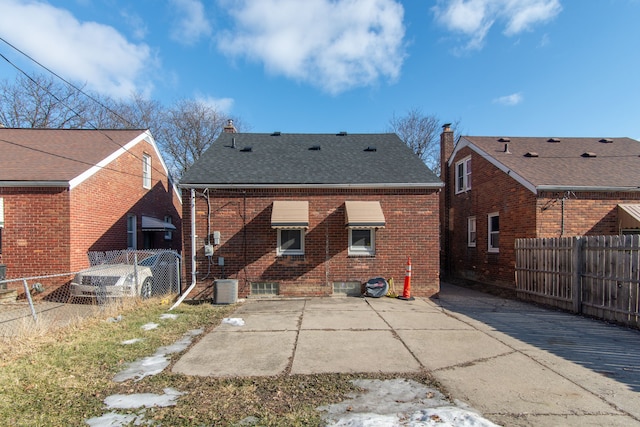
[[400, 403]]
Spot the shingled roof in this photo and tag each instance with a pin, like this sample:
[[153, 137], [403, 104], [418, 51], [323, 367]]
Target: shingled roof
[[548, 163], [56, 155], [279, 159]]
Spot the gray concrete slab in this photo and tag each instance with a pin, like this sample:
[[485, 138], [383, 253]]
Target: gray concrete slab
[[244, 354], [343, 320], [350, 352], [438, 349], [513, 383], [271, 306], [264, 321], [423, 321]]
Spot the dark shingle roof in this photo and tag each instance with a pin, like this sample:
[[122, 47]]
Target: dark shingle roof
[[56, 154], [565, 162], [309, 159]]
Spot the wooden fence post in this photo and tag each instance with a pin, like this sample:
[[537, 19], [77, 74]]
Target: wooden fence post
[[576, 288]]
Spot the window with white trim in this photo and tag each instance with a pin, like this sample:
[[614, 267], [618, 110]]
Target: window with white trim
[[168, 235], [471, 232], [146, 171], [463, 175], [362, 241], [493, 232], [290, 241], [131, 232]]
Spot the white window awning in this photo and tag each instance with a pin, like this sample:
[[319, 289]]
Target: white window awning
[[150, 223], [290, 214], [364, 214], [629, 216]]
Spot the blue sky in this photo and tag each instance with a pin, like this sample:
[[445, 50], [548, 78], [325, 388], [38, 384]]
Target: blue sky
[[498, 67]]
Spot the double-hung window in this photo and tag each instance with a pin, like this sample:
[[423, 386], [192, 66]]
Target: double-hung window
[[168, 235], [362, 241], [146, 171], [494, 232], [290, 241], [463, 175], [131, 232], [471, 232]]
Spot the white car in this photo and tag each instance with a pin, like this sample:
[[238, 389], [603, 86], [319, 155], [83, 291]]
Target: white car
[[120, 278]]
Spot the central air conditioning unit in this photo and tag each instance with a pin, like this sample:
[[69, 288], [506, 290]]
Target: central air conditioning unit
[[226, 291]]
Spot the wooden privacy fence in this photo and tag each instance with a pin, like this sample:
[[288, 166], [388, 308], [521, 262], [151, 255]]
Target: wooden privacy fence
[[595, 275]]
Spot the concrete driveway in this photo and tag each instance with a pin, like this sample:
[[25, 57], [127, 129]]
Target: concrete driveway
[[518, 364]]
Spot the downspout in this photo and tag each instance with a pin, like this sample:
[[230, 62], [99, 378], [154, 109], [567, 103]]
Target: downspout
[[193, 250]]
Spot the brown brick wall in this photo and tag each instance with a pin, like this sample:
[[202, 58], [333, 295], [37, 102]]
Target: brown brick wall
[[248, 243]]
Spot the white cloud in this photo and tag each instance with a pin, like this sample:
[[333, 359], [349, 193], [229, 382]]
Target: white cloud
[[222, 105], [474, 18], [85, 52], [192, 23], [510, 100], [333, 44]]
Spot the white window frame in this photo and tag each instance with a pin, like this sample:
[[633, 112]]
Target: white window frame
[[146, 171], [491, 232], [282, 252], [168, 235], [362, 250], [463, 178], [1, 212], [132, 239], [472, 234]]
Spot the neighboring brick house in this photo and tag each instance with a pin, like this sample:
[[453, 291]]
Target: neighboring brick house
[[310, 214], [66, 192], [499, 189]]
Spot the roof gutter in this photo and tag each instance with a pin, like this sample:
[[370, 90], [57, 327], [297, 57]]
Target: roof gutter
[[583, 188], [64, 184], [433, 185]]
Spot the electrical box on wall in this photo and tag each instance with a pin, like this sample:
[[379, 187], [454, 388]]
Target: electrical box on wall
[[208, 250], [216, 237]]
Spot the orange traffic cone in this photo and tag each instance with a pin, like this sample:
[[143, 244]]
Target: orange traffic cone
[[406, 294]]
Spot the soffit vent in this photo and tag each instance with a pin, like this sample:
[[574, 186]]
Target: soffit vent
[[531, 154], [371, 149], [247, 149], [314, 148], [589, 154], [606, 140], [504, 140], [553, 140]]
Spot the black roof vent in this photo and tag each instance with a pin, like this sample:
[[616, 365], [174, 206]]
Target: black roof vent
[[589, 154], [531, 154], [371, 149], [504, 140], [553, 140], [276, 133], [342, 133], [606, 140], [314, 148], [247, 149]]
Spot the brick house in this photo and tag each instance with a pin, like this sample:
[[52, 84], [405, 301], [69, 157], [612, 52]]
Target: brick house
[[310, 214], [66, 192], [499, 189]]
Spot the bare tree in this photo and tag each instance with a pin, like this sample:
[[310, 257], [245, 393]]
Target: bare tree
[[421, 133], [189, 128], [41, 102]]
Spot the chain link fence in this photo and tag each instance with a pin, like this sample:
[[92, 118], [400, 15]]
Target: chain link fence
[[55, 300]]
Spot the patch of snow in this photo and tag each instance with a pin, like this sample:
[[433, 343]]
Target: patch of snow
[[143, 400], [149, 326], [114, 319], [400, 402], [131, 341], [235, 321], [168, 316], [113, 419]]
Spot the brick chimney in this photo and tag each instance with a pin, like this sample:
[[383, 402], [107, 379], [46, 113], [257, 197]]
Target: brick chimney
[[446, 149], [229, 127]]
